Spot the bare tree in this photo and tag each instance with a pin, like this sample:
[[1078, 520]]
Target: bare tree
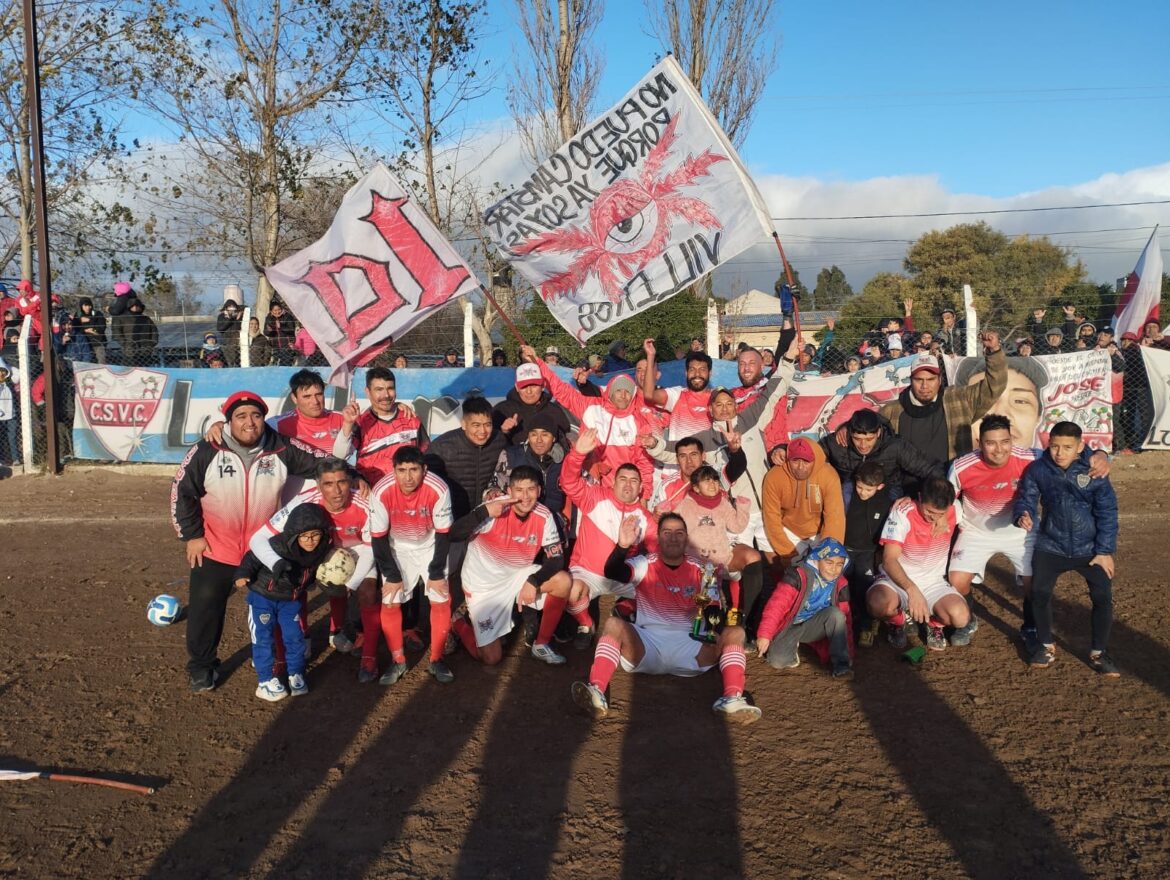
[[83, 75], [725, 47], [552, 94], [252, 90]]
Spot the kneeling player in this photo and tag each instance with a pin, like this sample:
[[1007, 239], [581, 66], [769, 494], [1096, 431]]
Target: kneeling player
[[410, 517], [912, 579], [660, 642], [500, 570]]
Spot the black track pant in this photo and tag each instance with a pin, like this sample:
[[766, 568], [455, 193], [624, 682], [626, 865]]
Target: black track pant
[[211, 586]]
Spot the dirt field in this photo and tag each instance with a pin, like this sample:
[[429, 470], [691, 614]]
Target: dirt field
[[968, 766]]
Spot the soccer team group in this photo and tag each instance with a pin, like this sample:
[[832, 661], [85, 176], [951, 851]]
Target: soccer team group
[[718, 529]]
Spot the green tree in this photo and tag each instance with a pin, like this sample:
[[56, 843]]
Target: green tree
[[883, 296], [672, 324], [832, 290]]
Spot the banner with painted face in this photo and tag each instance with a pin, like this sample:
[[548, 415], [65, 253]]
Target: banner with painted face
[[1157, 364], [381, 268], [1041, 391], [649, 198]]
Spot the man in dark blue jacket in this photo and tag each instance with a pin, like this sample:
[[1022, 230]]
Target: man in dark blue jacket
[[1076, 532]]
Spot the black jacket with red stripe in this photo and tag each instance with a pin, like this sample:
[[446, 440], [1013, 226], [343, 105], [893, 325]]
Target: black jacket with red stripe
[[214, 497]]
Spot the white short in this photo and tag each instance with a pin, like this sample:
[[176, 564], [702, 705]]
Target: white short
[[802, 545], [599, 585], [413, 562], [668, 652], [932, 592], [973, 549], [490, 607], [755, 532]]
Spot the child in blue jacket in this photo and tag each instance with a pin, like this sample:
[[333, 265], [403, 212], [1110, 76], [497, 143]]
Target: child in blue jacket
[[1077, 531]]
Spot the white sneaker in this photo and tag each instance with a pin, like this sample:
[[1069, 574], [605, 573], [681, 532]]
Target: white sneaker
[[341, 643], [547, 654], [737, 709], [272, 690], [297, 686], [589, 697]]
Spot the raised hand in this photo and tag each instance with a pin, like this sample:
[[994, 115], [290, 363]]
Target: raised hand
[[908, 306], [990, 341], [350, 414], [510, 422], [630, 531], [650, 348], [528, 354], [586, 441]]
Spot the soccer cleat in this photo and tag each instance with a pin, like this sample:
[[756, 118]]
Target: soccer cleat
[[961, 637], [583, 641], [393, 674], [441, 672], [737, 710], [272, 690], [845, 672], [868, 634], [590, 699], [1103, 664], [341, 643], [547, 654], [367, 672], [897, 637], [936, 639], [1028, 637], [204, 681], [451, 644], [1042, 657], [296, 685]]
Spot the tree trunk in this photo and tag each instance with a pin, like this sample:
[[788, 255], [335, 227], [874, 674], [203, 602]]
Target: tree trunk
[[26, 202], [565, 45]]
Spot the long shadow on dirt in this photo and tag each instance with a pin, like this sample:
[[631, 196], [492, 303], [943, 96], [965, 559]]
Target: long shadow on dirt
[[527, 768], [380, 798], [673, 738], [965, 793]]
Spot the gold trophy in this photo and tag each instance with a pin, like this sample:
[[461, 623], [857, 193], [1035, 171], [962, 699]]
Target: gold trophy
[[709, 616]]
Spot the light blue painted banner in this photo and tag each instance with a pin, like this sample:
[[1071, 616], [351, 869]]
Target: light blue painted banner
[[154, 415]]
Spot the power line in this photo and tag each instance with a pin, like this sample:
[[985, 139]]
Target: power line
[[970, 213]]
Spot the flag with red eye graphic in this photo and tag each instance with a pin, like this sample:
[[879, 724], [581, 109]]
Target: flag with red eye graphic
[[381, 268], [647, 199]]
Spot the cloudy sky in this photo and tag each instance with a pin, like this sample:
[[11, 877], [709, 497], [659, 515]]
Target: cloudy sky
[[923, 108]]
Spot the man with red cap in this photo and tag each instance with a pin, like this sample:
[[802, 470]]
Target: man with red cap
[[938, 420], [802, 502], [221, 494], [531, 396]]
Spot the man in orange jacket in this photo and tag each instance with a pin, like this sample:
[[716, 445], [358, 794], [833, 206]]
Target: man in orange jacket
[[802, 502]]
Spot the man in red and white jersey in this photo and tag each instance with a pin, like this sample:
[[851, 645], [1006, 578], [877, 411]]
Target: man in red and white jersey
[[410, 523], [349, 512], [985, 481], [687, 406], [310, 422], [600, 514], [660, 642], [378, 432], [221, 494], [501, 572], [912, 579]]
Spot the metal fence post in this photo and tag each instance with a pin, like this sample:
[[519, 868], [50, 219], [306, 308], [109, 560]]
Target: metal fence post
[[245, 348], [468, 333], [713, 328]]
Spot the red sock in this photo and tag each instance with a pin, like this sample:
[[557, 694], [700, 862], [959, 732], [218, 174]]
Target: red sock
[[391, 619], [337, 609], [605, 662], [580, 612], [733, 668], [303, 614], [466, 635], [734, 588], [899, 619], [440, 626], [371, 629], [554, 607]]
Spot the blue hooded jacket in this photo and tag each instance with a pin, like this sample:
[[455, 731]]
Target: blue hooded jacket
[[1080, 512]]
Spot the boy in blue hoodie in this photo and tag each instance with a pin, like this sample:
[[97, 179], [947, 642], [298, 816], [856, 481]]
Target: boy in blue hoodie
[[1077, 531], [274, 596]]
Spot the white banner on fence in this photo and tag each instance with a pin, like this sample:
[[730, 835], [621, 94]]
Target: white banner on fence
[[646, 200], [1158, 371]]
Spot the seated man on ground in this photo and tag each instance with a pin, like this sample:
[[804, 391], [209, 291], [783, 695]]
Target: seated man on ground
[[660, 642]]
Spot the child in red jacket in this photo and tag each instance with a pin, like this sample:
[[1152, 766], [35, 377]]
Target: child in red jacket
[[810, 606]]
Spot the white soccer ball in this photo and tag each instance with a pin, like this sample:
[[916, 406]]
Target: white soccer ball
[[163, 610], [338, 567]]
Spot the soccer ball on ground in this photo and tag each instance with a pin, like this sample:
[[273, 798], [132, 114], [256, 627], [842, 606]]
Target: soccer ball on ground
[[337, 568], [163, 610]]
